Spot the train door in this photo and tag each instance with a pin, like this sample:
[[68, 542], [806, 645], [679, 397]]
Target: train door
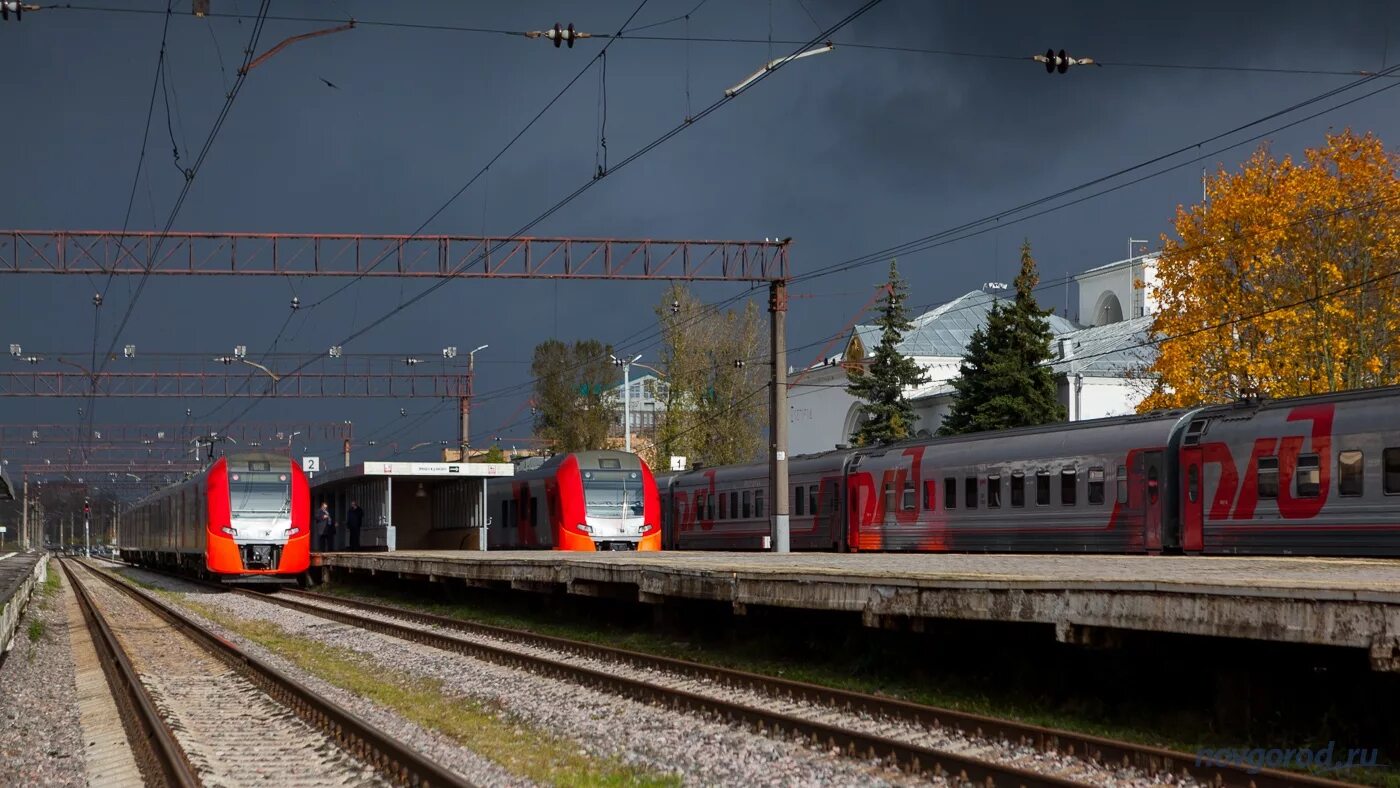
[[1192, 508], [1155, 480]]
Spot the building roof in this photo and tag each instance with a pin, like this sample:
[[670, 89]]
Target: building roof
[[1141, 259], [1111, 350], [946, 330]]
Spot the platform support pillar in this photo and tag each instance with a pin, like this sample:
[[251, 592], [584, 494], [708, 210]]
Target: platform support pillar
[[778, 416]]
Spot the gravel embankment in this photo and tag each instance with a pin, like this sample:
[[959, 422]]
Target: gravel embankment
[[702, 751], [40, 736], [945, 740]]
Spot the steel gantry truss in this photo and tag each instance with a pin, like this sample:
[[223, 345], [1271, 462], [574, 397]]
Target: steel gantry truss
[[244, 433], [209, 375], [435, 256], [427, 256]]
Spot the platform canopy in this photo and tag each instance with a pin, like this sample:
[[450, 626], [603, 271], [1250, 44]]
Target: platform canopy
[[410, 505]]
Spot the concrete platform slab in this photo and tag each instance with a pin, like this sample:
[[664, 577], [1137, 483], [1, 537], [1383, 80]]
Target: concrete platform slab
[[1324, 601]]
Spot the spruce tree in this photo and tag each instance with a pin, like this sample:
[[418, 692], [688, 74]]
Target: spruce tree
[[1005, 379], [888, 416]]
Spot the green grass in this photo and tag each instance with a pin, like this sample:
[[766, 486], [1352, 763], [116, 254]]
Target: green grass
[[36, 629], [773, 655], [489, 731]]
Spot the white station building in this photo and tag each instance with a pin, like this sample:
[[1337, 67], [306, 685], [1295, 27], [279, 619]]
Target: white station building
[[1096, 362]]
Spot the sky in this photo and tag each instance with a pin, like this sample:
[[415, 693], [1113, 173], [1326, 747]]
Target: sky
[[848, 153]]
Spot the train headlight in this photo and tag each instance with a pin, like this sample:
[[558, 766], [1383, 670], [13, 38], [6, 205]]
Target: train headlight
[[293, 531], [585, 528], [230, 531]]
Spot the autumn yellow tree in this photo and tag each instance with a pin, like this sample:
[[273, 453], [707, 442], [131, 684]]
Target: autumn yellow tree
[[1284, 282]]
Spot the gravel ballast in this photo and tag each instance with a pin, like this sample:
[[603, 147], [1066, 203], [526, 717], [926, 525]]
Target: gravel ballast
[[40, 735], [701, 751]]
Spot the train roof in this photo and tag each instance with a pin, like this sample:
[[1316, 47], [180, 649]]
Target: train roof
[[594, 460], [1264, 404], [1157, 416]]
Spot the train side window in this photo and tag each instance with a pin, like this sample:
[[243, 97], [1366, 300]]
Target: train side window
[[1266, 480], [748, 504], [1042, 488], [758, 503], [1122, 484], [1018, 489], [723, 506], [970, 492], [710, 505], [1193, 482], [950, 493], [1391, 458], [1307, 476], [799, 501], [930, 494], [910, 502], [1096, 486], [1069, 485], [1350, 473], [994, 491], [812, 499], [733, 504]]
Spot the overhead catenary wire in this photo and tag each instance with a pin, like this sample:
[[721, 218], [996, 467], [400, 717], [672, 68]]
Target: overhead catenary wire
[[631, 35], [180, 200], [634, 156], [1007, 216]]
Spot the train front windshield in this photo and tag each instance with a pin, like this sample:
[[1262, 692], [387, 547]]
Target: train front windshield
[[259, 494], [613, 493]]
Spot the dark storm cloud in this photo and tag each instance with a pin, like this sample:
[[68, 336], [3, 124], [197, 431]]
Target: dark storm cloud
[[847, 153]]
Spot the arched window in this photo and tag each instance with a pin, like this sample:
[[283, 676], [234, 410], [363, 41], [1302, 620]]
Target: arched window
[[1107, 310]]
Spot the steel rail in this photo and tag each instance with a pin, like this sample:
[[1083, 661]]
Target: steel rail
[[158, 754], [911, 757], [1153, 760], [394, 760]]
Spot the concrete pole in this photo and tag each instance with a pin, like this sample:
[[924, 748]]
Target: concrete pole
[[627, 405], [345, 446], [87, 534], [464, 409], [778, 415], [24, 516]]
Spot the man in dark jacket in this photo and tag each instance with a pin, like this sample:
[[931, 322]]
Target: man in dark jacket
[[353, 521], [325, 528]]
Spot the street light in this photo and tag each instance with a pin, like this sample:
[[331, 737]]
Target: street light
[[772, 64], [626, 365]]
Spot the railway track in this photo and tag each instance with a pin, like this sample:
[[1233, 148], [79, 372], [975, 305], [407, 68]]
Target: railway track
[[915, 736], [199, 710]]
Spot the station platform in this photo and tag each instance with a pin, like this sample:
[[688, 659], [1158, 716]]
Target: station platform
[[20, 575], [1351, 603]]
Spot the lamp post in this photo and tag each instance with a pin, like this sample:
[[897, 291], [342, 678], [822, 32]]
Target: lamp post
[[626, 365], [465, 405]]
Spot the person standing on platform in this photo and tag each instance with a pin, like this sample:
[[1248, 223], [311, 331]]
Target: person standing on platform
[[325, 528], [353, 521]]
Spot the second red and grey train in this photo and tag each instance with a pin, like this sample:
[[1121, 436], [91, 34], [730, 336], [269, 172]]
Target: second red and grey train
[[587, 500], [1307, 476]]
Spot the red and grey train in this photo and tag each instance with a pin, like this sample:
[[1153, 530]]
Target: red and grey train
[[1314, 475], [588, 500], [247, 517]]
